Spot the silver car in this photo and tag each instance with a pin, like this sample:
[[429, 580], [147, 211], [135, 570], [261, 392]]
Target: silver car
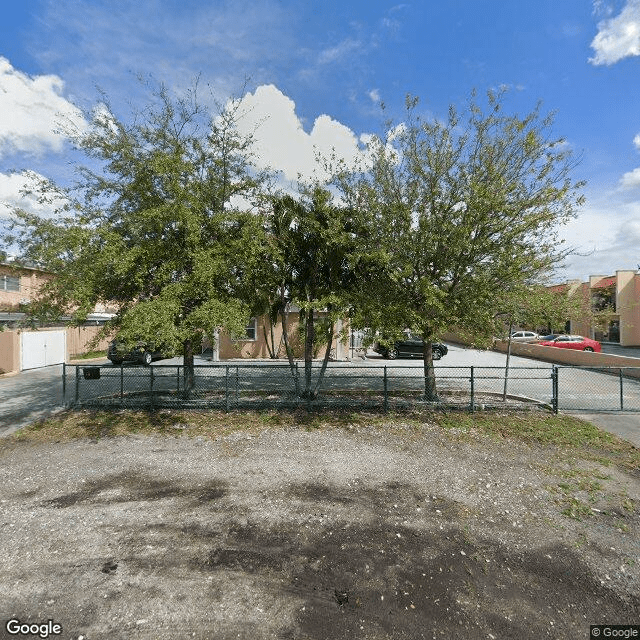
[[524, 336]]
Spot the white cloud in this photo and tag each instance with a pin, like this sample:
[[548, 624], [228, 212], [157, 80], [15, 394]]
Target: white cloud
[[12, 188], [606, 234], [31, 112], [282, 143], [618, 37], [631, 179], [629, 233], [343, 49], [374, 96]]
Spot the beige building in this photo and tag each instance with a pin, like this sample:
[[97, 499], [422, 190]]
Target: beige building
[[258, 341], [621, 294], [19, 285]]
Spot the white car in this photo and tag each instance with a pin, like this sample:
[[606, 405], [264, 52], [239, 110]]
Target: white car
[[524, 336]]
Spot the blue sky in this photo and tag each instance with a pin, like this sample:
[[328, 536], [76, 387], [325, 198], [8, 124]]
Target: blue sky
[[318, 71]]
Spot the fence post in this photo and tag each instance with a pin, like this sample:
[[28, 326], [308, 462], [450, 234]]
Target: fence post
[[621, 392], [121, 383], [236, 390], [554, 388], [151, 387], [64, 382], [178, 379], [226, 389], [473, 400], [77, 385], [385, 387]]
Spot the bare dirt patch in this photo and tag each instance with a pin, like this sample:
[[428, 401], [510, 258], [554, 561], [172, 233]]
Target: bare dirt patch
[[364, 532]]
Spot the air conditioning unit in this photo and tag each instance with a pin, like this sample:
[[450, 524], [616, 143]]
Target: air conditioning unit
[[25, 301]]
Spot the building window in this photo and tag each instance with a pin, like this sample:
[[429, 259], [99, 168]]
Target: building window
[[251, 332], [252, 329], [9, 283]]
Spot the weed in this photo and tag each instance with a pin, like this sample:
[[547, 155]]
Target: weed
[[576, 509]]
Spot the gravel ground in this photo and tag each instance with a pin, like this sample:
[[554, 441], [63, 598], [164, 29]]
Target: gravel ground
[[360, 533]]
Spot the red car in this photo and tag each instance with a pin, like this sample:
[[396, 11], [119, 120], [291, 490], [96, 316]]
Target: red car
[[573, 342]]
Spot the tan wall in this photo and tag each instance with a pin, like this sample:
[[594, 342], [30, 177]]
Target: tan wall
[[567, 356], [30, 282], [583, 328], [628, 307], [258, 348], [9, 351], [79, 340]]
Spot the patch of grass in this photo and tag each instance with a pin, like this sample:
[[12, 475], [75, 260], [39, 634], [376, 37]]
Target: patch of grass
[[583, 473], [576, 509], [574, 439], [580, 541], [89, 355]]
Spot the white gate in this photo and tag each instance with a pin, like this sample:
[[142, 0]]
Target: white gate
[[42, 348]]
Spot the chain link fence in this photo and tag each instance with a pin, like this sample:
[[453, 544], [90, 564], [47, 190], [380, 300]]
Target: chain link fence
[[598, 389], [267, 385], [399, 386]]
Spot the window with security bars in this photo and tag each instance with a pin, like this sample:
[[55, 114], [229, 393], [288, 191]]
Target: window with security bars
[[9, 283]]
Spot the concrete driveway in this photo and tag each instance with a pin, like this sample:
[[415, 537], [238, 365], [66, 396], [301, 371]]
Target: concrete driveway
[[37, 393], [28, 396]]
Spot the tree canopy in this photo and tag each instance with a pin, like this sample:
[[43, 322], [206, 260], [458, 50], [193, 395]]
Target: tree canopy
[[314, 252], [443, 227], [149, 228], [460, 213]]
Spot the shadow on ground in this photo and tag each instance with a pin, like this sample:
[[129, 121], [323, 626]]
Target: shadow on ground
[[355, 562]]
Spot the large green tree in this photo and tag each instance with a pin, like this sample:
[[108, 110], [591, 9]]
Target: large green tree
[[312, 260], [149, 228], [460, 211]]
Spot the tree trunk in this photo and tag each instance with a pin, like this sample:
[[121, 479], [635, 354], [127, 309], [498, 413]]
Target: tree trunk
[[272, 320], [325, 360], [270, 347], [308, 353], [189, 372], [430, 392], [285, 336]]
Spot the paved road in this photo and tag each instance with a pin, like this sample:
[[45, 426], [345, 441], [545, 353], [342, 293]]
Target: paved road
[[34, 394]]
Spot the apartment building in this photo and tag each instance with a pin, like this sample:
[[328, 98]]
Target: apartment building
[[19, 285], [620, 295]]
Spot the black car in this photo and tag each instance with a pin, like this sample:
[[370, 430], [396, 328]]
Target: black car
[[411, 347], [143, 353]]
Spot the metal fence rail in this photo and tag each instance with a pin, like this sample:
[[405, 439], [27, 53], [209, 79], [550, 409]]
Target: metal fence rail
[[598, 389], [266, 385], [275, 385]]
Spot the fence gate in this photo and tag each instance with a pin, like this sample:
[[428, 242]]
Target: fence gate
[[42, 348]]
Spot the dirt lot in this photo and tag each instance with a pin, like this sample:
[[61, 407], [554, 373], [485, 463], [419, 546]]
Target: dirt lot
[[381, 531]]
